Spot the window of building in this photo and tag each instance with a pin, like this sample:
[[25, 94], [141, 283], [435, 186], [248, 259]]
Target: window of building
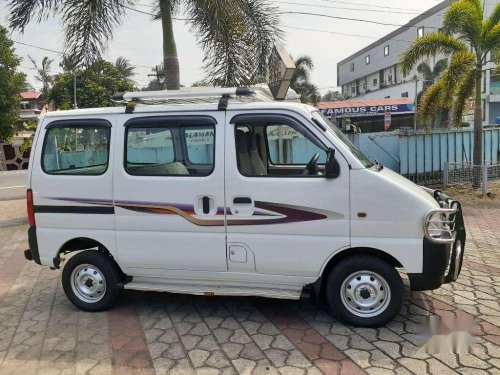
[[285, 150], [375, 82], [483, 104], [351, 67], [386, 50], [170, 150], [420, 32], [404, 94], [367, 59], [71, 148]]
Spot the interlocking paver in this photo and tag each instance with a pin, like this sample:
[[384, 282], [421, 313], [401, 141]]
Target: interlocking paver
[[41, 332]]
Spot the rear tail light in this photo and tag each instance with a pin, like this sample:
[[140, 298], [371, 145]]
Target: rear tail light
[[29, 204]]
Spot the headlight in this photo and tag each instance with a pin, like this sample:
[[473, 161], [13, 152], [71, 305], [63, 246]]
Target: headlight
[[439, 225]]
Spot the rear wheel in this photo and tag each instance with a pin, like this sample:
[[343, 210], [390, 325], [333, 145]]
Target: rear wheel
[[90, 280], [364, 291]]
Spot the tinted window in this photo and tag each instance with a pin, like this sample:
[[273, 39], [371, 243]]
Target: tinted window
[[170, 150], [76, 150], [200, 145]]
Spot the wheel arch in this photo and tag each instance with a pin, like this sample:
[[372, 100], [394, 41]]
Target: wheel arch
[[319, 286], [81, 243]]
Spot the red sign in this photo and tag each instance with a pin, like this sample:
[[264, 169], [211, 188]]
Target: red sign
[[387, 120]]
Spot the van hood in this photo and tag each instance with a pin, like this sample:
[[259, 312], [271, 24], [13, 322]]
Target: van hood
[[418, 192]]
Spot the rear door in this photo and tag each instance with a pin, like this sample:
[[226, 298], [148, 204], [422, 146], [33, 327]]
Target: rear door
[[283, 218], [169, 193]]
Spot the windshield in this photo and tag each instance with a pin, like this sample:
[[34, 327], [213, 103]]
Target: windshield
[[341, 137]]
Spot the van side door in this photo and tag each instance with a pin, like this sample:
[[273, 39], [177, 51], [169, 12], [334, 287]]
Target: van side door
[[169, 193], [281, 210]]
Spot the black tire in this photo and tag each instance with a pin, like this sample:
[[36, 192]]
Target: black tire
[[377, 270], [108, 275]]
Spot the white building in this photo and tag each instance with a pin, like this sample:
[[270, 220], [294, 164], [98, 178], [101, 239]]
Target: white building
[[374, 71]]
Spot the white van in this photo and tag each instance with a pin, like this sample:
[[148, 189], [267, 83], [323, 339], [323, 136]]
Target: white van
[[225, 192]]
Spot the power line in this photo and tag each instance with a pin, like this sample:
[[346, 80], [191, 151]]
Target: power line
[[62, 53], [340, 33], [152, 14], [350, 19], [370, 5], [346, 8], [38, 47]]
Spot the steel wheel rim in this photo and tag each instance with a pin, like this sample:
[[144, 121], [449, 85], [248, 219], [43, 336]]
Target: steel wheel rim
[[365, 294], [88, 283]]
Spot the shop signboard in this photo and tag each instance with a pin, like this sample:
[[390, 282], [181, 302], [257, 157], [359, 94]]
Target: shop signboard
[[280, 71], [362, 111]]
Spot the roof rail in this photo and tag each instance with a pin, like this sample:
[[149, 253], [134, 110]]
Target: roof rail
[[192, 93]]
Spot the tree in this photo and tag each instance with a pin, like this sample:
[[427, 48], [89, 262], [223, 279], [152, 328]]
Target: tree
[[43, 74], [332, 96], [301, 83], [95, 86], [236, 35], [430, 77], [468, 37], [124, 67], [12, 83]]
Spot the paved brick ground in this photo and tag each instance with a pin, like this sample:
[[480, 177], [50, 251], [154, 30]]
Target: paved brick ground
[[160, 333]]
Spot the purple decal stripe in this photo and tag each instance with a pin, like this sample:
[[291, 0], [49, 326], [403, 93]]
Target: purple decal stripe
[[269, 213]]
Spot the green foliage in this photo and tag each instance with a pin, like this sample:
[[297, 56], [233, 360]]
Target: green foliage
[[236, 35], [332, 96], [301, 81], [468, 38], [95, 86], [12, 83], [43, 74]]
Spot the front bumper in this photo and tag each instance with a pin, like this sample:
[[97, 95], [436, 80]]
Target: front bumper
[[442, 262]]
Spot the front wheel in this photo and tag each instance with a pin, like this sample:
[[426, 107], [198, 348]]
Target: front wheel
[[364, 291], [90, 280]]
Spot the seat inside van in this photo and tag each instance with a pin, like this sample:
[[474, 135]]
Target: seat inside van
[[163, 169]]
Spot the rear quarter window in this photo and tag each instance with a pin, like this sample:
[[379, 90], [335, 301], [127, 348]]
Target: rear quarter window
[[70, 149]]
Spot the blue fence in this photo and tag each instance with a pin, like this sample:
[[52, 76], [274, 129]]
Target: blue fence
[[421, 157]]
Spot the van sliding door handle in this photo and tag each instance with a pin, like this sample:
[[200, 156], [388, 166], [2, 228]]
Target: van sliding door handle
[[206, 205], [242, 200]]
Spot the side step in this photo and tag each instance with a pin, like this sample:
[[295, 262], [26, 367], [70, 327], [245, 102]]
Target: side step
[[210, 290]]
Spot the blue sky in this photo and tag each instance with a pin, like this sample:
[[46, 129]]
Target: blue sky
[[139, 39]]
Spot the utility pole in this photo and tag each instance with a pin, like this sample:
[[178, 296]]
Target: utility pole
[[157, 75], [75, 106], [415, 104]]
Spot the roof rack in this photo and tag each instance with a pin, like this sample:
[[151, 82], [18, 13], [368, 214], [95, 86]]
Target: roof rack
[[194, 95]]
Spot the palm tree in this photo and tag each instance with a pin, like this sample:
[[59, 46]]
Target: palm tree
[[236, 35], [430, 76], [301, 83], [69, 64], [124, 67], [44, 75], [468, 37]]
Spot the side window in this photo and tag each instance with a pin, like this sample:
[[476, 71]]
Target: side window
[[278, 150], [170, 150], [289, 146], [76, 150], [200, 143]]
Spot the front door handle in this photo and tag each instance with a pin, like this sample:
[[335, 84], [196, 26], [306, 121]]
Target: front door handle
[[242, 206], [242, 200]]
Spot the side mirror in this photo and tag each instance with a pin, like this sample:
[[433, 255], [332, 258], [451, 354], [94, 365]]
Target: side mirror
[[332, 169]]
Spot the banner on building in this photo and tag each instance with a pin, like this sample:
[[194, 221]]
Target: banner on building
[[361, 111]]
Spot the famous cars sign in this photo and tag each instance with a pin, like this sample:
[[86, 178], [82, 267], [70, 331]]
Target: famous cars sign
[[361, 111]]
